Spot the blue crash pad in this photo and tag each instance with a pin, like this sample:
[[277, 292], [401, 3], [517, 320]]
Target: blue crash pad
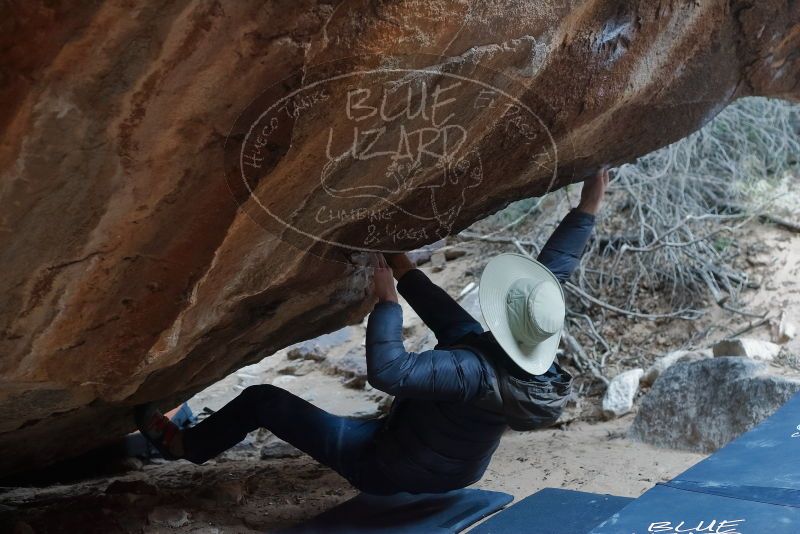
[[554, 511], [435, 513], [668, 510], [752, 485], [761, 465]]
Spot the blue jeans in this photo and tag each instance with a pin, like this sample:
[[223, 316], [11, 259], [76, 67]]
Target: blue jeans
[[341, 443]]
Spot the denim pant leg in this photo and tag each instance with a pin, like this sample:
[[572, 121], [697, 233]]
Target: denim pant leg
[[336, 442]]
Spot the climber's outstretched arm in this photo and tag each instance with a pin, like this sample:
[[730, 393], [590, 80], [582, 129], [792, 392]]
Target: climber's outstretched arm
[[562, 252]]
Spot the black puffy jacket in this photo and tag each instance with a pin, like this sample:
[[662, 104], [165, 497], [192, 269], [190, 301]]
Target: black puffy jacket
[[453, 403]]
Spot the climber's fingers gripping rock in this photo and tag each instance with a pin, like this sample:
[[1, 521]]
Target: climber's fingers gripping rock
[[594, 189], [382, 280]]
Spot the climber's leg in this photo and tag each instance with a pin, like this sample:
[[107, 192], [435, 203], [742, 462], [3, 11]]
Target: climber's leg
[[334, 441]]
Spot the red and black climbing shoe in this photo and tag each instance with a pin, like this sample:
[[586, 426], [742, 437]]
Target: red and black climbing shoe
[[158, 429]]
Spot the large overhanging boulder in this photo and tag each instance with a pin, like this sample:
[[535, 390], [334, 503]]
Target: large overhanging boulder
[[130, 272]]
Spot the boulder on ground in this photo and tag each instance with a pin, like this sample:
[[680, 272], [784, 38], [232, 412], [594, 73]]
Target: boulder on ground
[[702, 405], [669, 359], [755, 349], [621, 391]]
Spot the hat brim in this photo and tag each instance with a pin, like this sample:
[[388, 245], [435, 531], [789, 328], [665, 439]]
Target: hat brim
[[498, 276]]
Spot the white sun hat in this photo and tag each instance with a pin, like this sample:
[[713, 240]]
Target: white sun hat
[[523, 304]]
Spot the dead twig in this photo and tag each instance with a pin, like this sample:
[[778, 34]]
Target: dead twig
[[498, 239], [765, 217], [783, 223], [752, 326], [743, 312], [592, 330], [518, 244], [686, 313], [580, 357]]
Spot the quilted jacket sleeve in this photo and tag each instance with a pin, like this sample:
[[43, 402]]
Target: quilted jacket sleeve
[[562, 252], [449, 375], [438, 310]]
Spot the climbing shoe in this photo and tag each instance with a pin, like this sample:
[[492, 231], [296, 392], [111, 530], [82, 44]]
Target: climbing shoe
[[158, 429]]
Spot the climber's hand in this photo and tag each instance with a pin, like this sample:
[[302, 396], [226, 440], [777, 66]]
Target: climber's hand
[[400, 264], [594, 189], [382, 283]]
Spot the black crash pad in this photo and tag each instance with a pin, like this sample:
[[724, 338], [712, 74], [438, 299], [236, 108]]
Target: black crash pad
[[403, 513], [554, 511]]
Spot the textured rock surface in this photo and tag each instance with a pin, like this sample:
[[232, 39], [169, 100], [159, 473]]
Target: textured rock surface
[[702, 405], [130, 274], [670, 359]]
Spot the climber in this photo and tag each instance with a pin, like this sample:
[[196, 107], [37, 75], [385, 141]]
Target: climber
[[453, 403]]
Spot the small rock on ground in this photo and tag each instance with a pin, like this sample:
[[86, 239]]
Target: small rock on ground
[[297, 368], [279, 449], [171, 517], [352, 367], [786, 330], [451, 254], [748, 347], [438, 261], [621, 392], [317, 349]]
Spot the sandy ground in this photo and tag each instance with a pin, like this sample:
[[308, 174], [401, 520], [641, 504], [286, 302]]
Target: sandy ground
[[251, 495], [241, 492]]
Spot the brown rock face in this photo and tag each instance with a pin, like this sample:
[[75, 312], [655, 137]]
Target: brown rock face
[[130, 272]]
